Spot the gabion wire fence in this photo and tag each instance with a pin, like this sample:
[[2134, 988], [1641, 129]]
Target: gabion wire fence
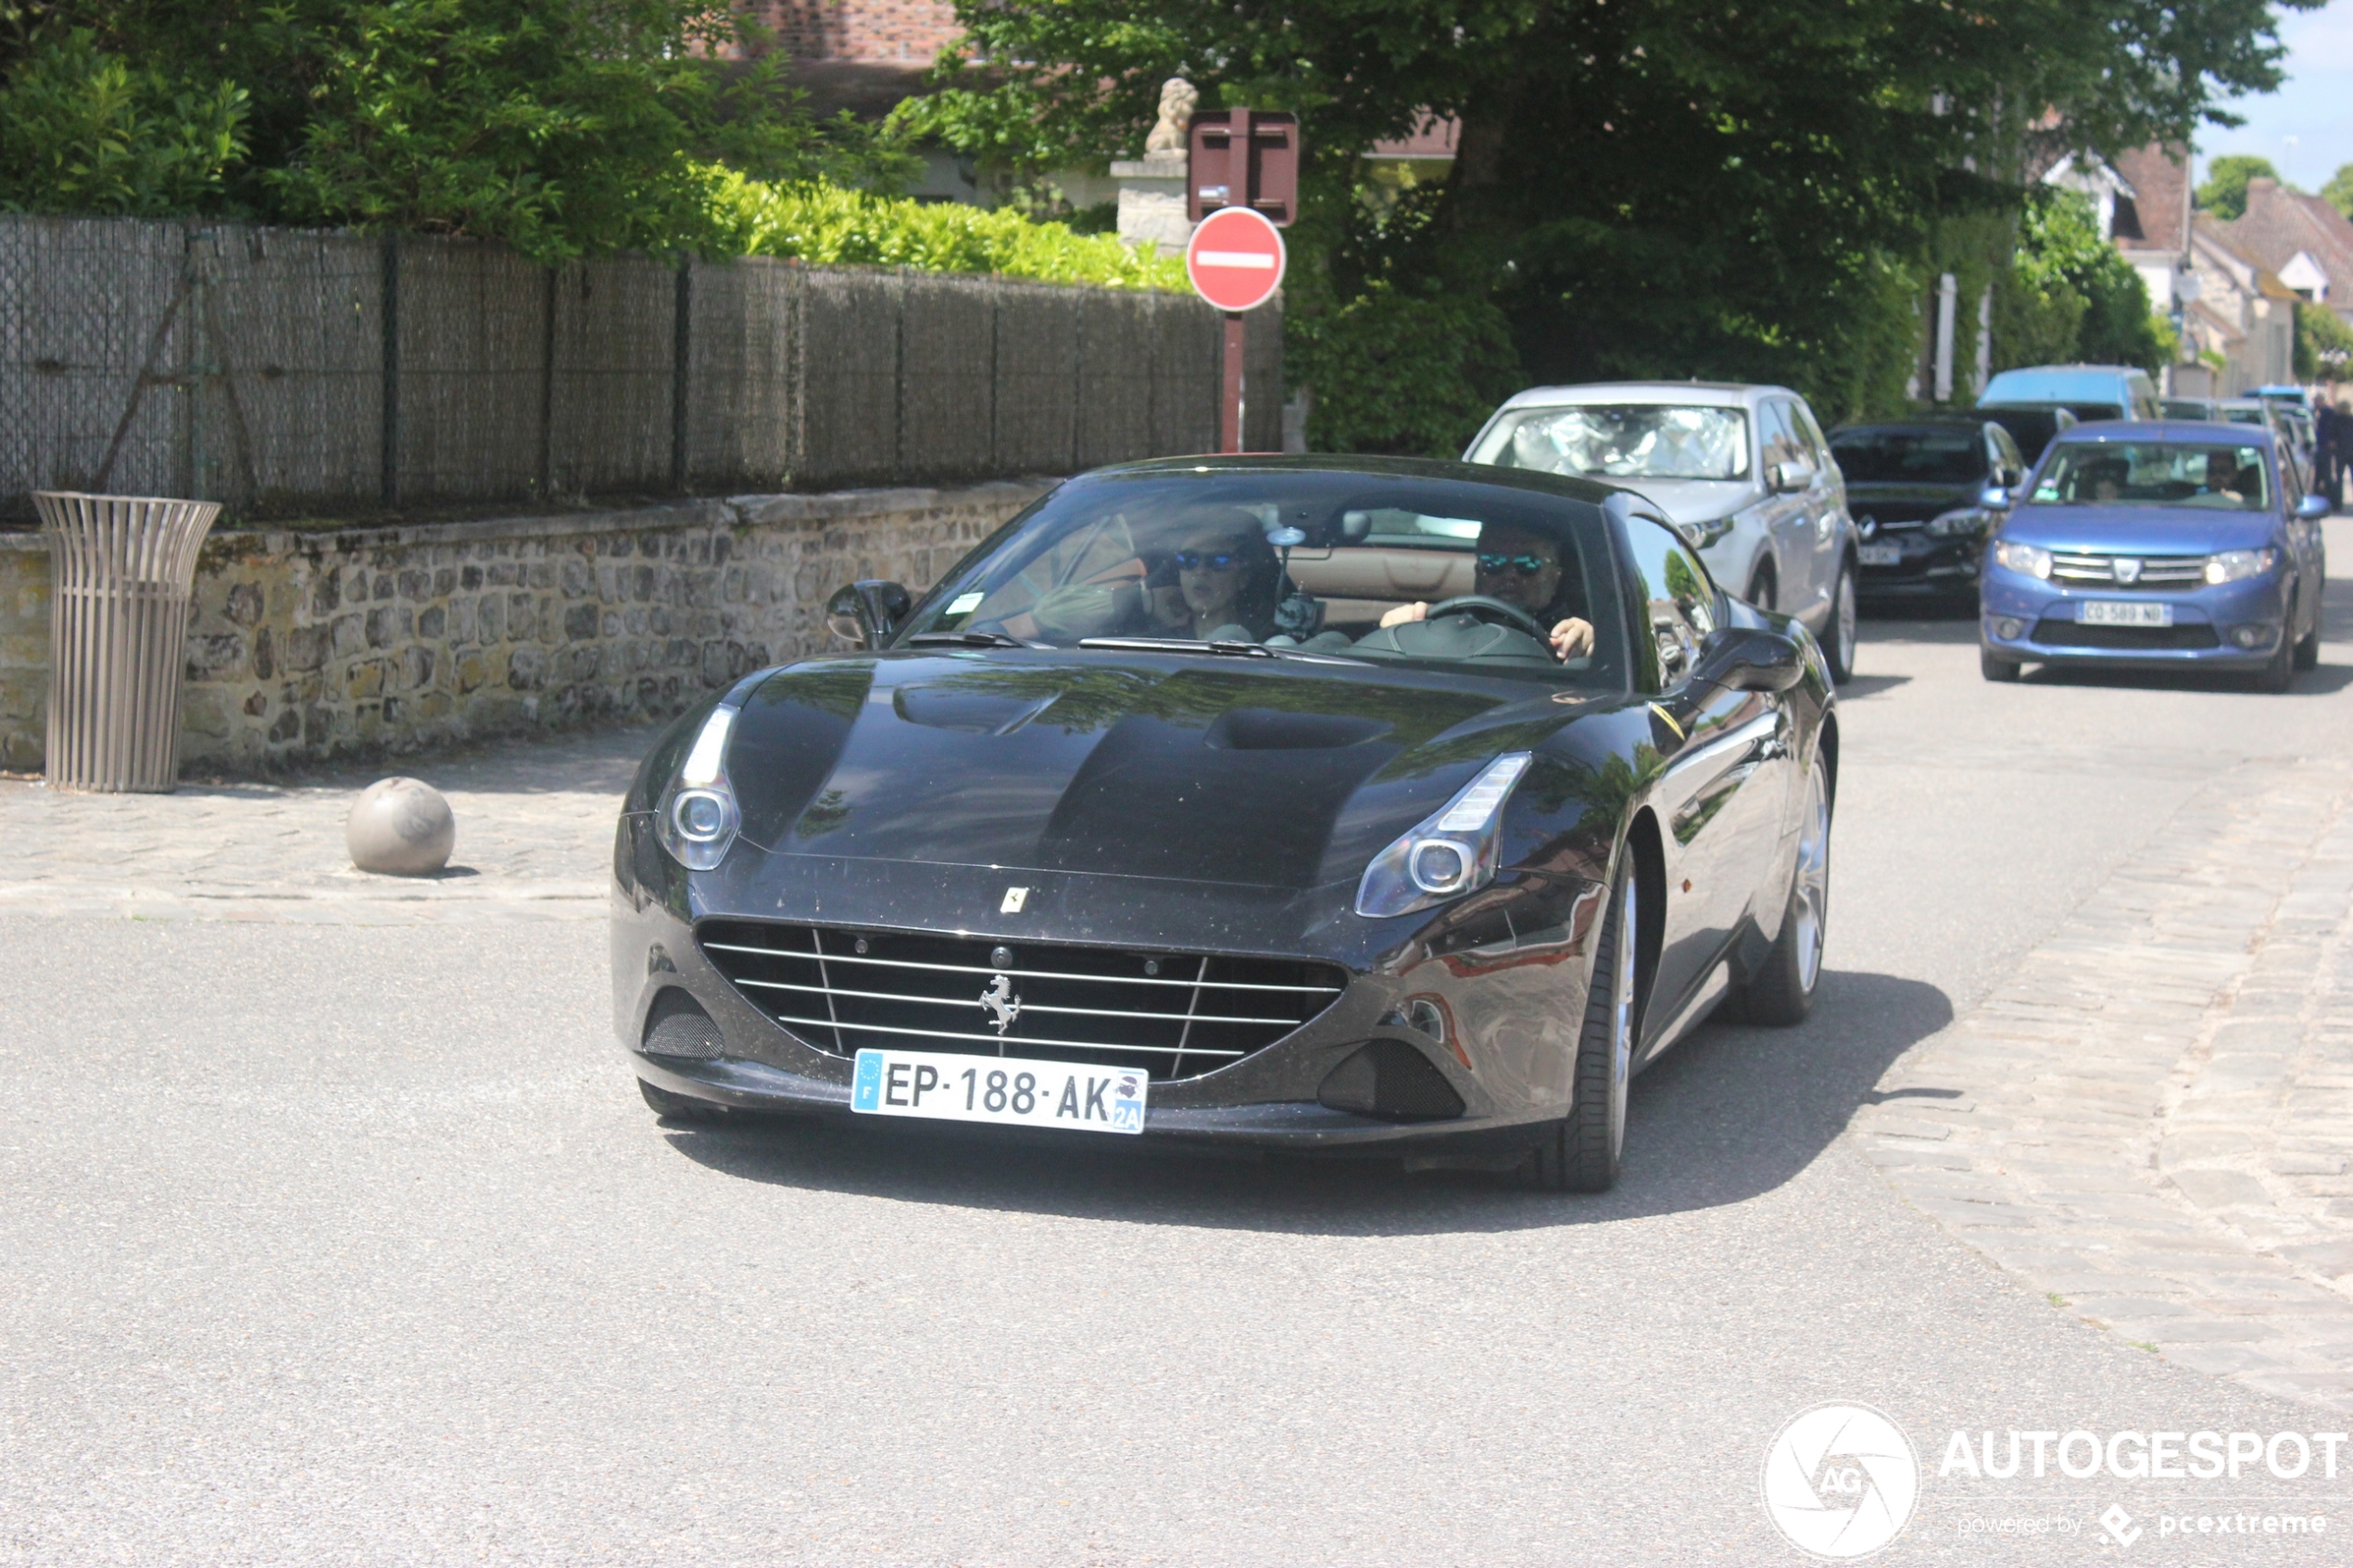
[[289, 372]]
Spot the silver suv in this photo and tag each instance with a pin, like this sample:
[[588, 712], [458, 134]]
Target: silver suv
[[1742, 470]]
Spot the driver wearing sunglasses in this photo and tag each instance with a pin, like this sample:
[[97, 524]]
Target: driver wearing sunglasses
[[1524, 570]]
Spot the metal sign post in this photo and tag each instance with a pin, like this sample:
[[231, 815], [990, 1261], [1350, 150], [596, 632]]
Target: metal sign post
[[1235, 261], [1241, 182]]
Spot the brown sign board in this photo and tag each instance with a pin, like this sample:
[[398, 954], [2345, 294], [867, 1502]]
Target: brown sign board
[[1242, 158]]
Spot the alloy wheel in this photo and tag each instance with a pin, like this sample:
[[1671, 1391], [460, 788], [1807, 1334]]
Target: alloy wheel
[[1621, 1020], [1810, 908], [1846, 631]]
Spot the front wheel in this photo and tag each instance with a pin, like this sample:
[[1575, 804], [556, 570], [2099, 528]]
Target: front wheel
[[1782, 991], [1839, 644], [2278, 671], [1581, 1153], [1996, 669]]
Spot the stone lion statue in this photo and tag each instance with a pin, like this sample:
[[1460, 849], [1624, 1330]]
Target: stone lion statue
[[1177, 98]]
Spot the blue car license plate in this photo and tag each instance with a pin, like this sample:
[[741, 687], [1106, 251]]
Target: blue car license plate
[[946, 1086], [2106, 612]]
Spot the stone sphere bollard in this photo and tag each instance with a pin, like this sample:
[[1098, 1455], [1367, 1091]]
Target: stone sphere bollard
[[400, 827]]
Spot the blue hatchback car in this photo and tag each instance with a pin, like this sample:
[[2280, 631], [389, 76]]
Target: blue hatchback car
[[2163, 544]]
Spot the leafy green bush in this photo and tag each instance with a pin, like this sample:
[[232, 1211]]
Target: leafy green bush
[[2323, 344], [1400, 372], [829, 224], [2071, 297], [84, 131]]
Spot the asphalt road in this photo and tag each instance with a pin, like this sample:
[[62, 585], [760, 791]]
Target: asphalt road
[[355, 1245]]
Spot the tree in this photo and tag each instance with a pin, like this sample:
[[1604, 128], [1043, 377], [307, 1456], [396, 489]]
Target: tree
[[2224, 192], [1643, 187], [564, 127], [2323, 344], [2338, 192]]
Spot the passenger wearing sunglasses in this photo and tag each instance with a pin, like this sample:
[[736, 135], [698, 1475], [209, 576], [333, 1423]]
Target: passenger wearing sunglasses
[[1524, 570], [1227, 576]]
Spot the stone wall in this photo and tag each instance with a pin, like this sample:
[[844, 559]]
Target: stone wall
[[307, 645]]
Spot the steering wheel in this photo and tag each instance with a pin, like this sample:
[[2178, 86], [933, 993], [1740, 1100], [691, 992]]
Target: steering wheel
[[1478, 607]]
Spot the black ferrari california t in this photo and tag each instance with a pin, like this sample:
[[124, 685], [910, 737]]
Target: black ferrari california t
[[1346, 806]]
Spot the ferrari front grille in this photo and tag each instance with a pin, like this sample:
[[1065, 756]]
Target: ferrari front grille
[[2151, 572], [1173, 1014]]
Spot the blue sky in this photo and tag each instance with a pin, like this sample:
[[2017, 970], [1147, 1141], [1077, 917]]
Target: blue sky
[[2314, 106]]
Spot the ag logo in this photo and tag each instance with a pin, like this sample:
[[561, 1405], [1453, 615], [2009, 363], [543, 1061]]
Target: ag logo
[[1841, 1480]]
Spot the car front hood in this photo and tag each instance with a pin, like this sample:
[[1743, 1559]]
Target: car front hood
[[1693, 500], [1259, 772], [2147, 530], [1907, 503]]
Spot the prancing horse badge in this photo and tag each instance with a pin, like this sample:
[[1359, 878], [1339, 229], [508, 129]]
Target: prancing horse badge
[[1014, 899]]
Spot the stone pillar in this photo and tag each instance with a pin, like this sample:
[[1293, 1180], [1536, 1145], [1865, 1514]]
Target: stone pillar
[[1151, 201]]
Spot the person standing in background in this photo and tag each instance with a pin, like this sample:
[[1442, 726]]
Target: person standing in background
[[2328, 448]]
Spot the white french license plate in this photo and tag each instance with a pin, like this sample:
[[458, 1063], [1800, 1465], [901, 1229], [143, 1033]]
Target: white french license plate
[[948, 1087], [2106, 612], [1879, 555]]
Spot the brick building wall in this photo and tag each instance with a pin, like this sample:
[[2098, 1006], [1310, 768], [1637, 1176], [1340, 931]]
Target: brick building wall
[[876, 30]]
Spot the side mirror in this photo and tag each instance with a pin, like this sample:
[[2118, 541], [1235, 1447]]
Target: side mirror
[[1993, 499], [1784, 478], [866, 612], [1752, 661], [2313, 507]]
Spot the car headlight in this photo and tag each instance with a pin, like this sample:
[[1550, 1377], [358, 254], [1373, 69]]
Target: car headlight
[[1452, 852], [1702, 534], [2231, 565], [697, 818], [1957, 525], [2031, 559]]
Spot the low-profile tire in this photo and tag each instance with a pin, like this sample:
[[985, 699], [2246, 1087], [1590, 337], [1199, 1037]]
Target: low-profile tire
[[1782, 991], [2308, 650], [679, 1107], [1838, 636], [1995, 668], [1581, 1153]]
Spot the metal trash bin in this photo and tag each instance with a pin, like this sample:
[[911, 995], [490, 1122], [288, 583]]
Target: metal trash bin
[[121, 570]]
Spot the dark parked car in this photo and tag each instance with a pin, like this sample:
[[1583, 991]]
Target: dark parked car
[[1343, 806], [1924, 495], [2159, 545], [2031, 426]]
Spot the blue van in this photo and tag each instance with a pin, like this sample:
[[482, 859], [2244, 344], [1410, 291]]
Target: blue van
[[2089, 392]]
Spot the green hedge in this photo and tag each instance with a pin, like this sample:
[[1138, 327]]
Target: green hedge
[[829, 224]]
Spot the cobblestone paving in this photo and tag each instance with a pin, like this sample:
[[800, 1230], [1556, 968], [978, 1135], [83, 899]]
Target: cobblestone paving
[[2152, 1119], [535, 836]]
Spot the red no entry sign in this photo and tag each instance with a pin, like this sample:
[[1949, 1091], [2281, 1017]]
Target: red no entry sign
[[1236, 259]]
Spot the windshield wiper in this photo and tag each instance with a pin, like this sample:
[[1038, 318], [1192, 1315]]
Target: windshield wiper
[[1177, 644], [967, 640], [1228, 649]]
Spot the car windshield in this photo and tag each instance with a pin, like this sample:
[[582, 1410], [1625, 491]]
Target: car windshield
[[2151, 474], [1622, 441], [1909, 456], [1289, 563]]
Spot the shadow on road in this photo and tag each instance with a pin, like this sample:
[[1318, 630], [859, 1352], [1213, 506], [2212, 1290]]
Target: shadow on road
[[1730, 1113]]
